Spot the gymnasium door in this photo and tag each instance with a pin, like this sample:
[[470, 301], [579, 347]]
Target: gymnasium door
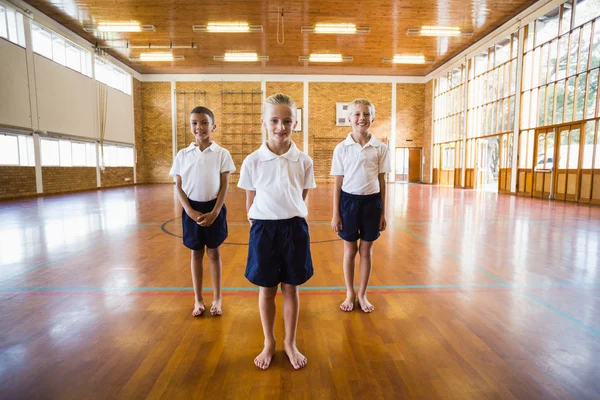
[[544, 164], [408, 165], [567, 154], [488, 151]]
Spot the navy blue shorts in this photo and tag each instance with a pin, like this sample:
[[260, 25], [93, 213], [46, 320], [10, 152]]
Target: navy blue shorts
[[360, 216], [279, 251], [195, 237]]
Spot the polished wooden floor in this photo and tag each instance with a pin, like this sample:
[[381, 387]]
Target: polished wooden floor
[[477, 296]]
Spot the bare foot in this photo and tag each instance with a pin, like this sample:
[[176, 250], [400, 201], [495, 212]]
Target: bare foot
[[364, 304], [348, 304], [215, 308], [263, 360], [198, 308], [296, 358]]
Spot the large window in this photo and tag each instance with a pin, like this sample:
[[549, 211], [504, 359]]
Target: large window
[[113, 76], [449, 106], [16, 150], [68, 153], [11, 25], [60, 50], [492, 88], [118, 156]]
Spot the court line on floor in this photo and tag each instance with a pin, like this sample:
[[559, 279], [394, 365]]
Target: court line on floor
[[539, 301]]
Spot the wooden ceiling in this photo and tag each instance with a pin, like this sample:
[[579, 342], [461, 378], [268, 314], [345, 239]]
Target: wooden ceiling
[[388, 21]]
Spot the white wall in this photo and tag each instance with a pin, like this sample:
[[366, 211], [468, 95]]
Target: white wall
[[15, 109], [119, 117], [65, 99]]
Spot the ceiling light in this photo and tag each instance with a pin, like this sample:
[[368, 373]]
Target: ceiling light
[[340, 29], [231, 27], [119, 27], [241, 57], [157, 57], [438, 31], [398, 59], [325, 58]]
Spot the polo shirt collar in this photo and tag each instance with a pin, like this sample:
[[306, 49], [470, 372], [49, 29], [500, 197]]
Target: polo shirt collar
[[372, 142], [293, 154], [213, 147]]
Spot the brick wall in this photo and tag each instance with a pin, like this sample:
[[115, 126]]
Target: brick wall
[[410, 111], [296, 91], [427, 131], [17, 181], [138, 123], [115, 176], [156, 131], [68, 179], [324, 135]]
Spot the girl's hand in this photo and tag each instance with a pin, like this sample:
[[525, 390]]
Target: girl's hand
[[336, 223], [382, 223], [207, 219]]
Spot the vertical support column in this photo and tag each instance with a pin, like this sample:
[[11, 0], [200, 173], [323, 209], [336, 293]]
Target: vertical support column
[[305, 117], [263, 89], [463, 153], [99, 143], [33, 107], [517, 125], [392, 142], [174, 118]]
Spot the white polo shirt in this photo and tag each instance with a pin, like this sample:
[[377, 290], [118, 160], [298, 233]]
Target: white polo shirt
[[200, 171], [360, 166], [278, 182]]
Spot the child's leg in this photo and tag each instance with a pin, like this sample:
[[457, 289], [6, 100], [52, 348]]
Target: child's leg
[[350, 249], [291, 308], [214, 259], [266, 305], [365, 250], [197, 267]]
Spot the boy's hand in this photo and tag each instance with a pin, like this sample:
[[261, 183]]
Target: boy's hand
[[251, 221], [336, 223], [382, 223], [207, 219], [195, 215]]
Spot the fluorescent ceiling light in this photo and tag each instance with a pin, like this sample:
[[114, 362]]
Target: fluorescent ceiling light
[[400, 59], [157, 57], [340, 29], [119, 27], [231, 27], [438, 31], [241, 57], [328, 58]]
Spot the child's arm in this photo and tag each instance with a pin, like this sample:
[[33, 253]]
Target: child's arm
[[250, 195], [382, 190], [304, 194], [208, 218], [193, 214], [336, 221]]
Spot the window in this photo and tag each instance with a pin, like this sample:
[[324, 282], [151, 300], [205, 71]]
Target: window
[[16, 150], [118, 156], [68, 153], [448, 158], [11, 25], [60, 50], [113, 76]]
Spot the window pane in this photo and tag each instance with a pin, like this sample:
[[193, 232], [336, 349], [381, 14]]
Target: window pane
[[23, 151], [12, 26], [585, 48], [502, 51], [550, 104], [574, 149], [42, 41], [547, 27], [563, 47], [572, 55], [596, 45], [570, 96], [3, 27], [565, 25], [90, 156], [9, 150], [544, 64], [552, 60], [49, 150], [592, 91], [586, 10], [588, 149], [541, 105], [564, 147], [560, 102], [541, 151], [58, 50], [78, 154], [65, 153], [581, 82], [73, 58]]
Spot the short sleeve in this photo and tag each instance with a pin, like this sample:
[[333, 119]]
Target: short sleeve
[[309, 176], [384, 160], [337, 167], [176, 168], [227, 164], [246, 179]]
